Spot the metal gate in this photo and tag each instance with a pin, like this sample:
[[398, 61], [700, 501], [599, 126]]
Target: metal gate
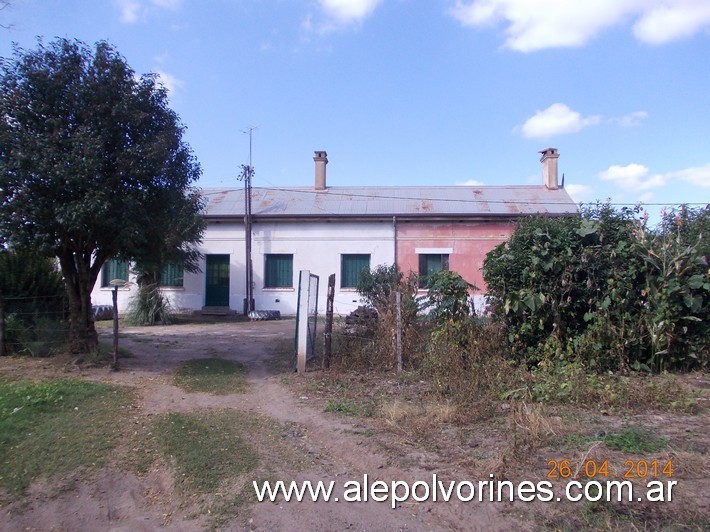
[[306, 319]]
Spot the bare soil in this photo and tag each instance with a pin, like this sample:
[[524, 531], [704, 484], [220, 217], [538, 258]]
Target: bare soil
[[312, 444]]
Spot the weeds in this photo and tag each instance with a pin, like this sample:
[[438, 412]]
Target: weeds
[[635, 440], [35, 336], [347, 408]]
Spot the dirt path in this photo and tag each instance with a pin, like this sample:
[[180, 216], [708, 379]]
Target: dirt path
[[332, 445]]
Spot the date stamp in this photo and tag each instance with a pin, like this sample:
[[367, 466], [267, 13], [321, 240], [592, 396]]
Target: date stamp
[[563, 469]]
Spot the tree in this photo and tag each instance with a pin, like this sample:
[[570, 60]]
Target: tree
[[92, 167]]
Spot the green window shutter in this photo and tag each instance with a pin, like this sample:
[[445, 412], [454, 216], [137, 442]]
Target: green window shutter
[[171, 275], [430, 264], [278, 271], [114, 269], [350, 267]]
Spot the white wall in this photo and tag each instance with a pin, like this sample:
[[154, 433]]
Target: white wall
[[316, 246]]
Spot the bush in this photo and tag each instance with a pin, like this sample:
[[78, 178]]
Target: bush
[[377, 349], [604, 290], [450, 309]]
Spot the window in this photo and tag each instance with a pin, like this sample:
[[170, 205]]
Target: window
[[171, 275], [350, 267], [114, 269], [429, 264], [278, 271]]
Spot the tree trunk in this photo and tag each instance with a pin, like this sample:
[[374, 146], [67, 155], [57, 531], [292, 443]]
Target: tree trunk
[[79, 281]]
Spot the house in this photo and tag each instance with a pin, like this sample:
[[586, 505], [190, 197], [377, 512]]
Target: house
[[342, 230]]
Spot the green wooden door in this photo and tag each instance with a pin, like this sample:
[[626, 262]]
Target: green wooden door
[[217, 283]]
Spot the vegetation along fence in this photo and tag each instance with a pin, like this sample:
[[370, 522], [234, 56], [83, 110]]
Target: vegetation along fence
[[32, 325]]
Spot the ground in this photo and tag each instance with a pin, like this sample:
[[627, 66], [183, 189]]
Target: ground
[[322, 427]]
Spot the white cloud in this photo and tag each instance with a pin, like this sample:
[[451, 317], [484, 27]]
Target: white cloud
[[348, 11], [557, 119], [633, 177], [130, 10], [699, 175], [134, 10], [540, 24], [636, 177], [632, 119], [169, 4], [646, 197], [579, 192], [469, 183], [170, 82], [672, 20], [338, 14]]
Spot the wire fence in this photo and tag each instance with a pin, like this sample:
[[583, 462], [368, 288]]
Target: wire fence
[[32, 325]]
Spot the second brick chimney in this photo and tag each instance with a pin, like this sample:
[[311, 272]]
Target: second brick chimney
[[321, 159], [549, 168]]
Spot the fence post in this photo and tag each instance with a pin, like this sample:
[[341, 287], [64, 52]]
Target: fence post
[[399, 330], [328, 334], [2, 326]]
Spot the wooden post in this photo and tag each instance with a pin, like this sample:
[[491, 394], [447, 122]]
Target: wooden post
[[399, 330], [328, 334], [2, 327], [114, 294]]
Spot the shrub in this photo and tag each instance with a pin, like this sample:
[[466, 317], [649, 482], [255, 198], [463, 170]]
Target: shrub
[[149, 307], [604, 290], [450, 310], [379, 289]]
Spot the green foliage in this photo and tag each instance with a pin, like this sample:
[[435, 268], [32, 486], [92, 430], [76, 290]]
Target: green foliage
[[379, 289], [378, 286], [33, 295], [28, 274], [602, 289], [448, 301], [92, 166], [149, 307], [34, 335], [35, 416]]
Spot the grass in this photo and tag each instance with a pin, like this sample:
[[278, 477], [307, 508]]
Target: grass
[[211, 375], [207, 449], [635, 440], [214, 458], [50, 428], [345, 407]]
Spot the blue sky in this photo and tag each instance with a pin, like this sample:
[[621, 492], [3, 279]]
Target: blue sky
[[421, 92]]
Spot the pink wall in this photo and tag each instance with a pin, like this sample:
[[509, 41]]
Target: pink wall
[[470, 242]]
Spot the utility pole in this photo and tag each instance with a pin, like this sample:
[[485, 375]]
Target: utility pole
[[246, 175]]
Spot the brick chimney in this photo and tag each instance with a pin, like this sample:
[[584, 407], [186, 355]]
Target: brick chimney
[[321, 160], [549, 168]]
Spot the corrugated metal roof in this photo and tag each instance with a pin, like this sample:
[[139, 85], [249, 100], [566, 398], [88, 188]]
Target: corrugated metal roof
[[391, 201]]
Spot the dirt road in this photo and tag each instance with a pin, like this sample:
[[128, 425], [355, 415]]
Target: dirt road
[[332, 447]]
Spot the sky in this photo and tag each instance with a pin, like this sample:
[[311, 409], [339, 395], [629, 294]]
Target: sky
[[420, 92]]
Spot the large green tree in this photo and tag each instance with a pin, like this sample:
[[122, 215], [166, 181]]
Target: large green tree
[[92, 166]]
